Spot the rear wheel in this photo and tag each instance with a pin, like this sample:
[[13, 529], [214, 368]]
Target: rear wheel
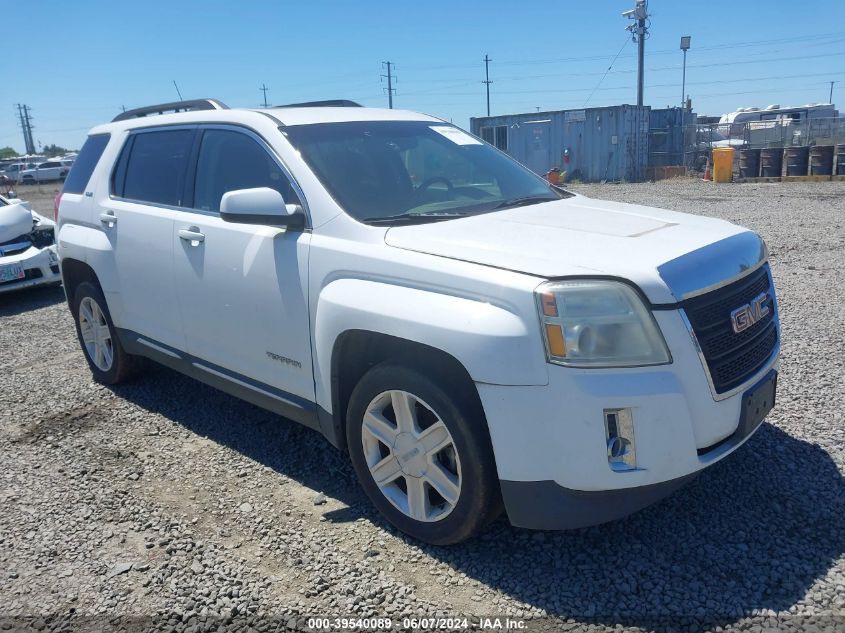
[[422, 455], [109, 362]]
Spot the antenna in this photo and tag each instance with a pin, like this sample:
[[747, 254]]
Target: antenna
[[178, 92]]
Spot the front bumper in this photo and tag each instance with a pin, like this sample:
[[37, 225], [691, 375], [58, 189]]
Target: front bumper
[[551, 448], [545, 505], [41, 266]]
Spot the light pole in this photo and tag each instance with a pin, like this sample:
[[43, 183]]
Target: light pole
[[685, 44]]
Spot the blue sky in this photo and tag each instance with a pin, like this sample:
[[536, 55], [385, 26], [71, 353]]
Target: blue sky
[[87, 58]]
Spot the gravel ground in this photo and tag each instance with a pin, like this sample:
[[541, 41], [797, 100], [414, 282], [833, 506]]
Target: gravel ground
[[177, 507]]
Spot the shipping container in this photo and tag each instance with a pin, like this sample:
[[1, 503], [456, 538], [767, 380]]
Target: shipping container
[[666, 141], [590, 145]]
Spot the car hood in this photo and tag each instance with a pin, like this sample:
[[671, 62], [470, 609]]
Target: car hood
[[669, 255], [15, 220]]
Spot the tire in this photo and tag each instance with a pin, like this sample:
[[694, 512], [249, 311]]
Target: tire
[[411, 469], [112, 364]]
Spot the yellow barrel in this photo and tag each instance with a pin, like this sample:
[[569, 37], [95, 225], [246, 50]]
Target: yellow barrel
[[723, 164]]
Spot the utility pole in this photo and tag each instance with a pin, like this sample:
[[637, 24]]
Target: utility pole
[[390, 88], [264, 90], [26, 126], [487, 81], [639, 31], [23, 127], [26, 111]]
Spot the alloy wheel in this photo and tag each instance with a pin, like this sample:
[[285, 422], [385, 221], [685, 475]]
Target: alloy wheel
[[411, 456], [96, 335]]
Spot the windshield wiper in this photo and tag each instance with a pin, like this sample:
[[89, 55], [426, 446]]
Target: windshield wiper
[[523, 201], [415, 218]]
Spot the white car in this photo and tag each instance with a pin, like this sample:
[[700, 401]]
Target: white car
[[473, 337], [28, 255], [14, 170], [46, 171]]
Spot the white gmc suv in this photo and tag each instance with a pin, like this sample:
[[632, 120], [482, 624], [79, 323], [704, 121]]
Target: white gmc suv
[[473, 337]]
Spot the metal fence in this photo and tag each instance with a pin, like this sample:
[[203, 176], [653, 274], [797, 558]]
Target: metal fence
[[700, 139]]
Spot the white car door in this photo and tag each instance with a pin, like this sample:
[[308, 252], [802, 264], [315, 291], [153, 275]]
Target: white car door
[[242, 288], [148, 185]]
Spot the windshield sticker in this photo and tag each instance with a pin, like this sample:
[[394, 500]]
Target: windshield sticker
[[458, 137]]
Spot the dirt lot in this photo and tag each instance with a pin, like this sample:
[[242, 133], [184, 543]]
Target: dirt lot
[[178, 507]]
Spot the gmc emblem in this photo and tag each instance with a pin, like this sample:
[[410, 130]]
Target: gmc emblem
[[745, 316]]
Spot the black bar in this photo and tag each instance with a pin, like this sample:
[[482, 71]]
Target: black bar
[[174, 106]]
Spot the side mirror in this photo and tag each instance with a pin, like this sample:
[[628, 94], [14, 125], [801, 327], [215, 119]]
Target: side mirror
[[261, 205]]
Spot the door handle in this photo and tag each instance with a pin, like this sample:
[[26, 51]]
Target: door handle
[[108, 218], [192, 234]]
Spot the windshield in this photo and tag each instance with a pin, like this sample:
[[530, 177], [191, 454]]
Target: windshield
[[414, 171]]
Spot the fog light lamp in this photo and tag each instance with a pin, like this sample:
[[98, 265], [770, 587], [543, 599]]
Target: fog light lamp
[[619, 433]]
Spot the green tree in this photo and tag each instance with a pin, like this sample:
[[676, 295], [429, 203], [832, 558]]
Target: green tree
[[53, 150], [7, 152]]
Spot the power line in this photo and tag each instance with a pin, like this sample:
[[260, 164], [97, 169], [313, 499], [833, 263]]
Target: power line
[[650, 69], [628, 87], [531, 62], [606, 71], [351, 77]]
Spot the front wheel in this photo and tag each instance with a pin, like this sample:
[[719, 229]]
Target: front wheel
[[422, 455]]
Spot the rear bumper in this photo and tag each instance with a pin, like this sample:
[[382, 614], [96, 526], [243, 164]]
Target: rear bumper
[[546, 505]]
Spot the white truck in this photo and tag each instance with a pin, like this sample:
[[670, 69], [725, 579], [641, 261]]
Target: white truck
[[473, 337]]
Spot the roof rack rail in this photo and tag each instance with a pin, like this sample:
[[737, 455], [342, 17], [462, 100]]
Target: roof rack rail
[[174, 106], [330, 103]]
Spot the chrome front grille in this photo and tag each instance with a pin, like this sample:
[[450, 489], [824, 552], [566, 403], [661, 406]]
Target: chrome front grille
[[732, 358]]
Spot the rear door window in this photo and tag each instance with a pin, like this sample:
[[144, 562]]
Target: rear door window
[[84, 165], [230, 160], [155, 167]]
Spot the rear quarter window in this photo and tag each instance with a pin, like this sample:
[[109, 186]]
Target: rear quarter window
[[83, 167]]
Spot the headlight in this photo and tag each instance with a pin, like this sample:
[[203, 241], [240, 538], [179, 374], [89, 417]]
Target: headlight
[[591, 323]]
